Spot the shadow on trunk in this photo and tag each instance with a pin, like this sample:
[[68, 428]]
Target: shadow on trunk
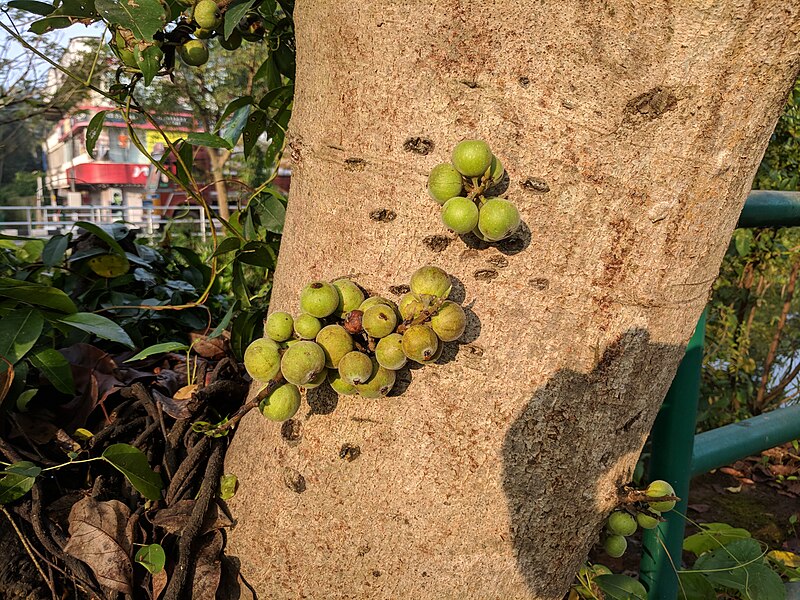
[[609, 410]]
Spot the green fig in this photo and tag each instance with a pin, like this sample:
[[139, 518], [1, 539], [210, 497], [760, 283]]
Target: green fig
[[282, 404], [350, 296], [319, 299], [355, 368], [621, 523], [659, 488], [420, 344], [497, 219], [302, 362], [339, 385], [379, 320], [262, 359], [379, 384], [279, 326], [449, 321], [307, 327], [389, 352], [335, 342], [460, 215], [472, 157], [615, 545], [432, 281], [194, 53], [444, 182]]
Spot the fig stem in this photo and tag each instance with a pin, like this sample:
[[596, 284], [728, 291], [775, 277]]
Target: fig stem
[[245, 408], [632, 496], [422, 316]]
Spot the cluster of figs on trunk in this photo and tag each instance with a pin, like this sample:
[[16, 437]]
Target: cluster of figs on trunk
[[647, 515], [354, 343], [463, 188]]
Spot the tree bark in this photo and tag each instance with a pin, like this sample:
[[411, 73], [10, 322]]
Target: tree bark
[[218, 158], [630, 133]]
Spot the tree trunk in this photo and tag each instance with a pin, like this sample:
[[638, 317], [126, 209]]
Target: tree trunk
[[631, 133], [218, 158]]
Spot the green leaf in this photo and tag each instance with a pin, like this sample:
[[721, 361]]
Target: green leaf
[[737, 565], [55, 368], [256, 125], [620, 587], [132, 463], [151, 557], [100, 326], [143, 17], [712, 537], [80, 9], [32, 6], [101, 233], [233, 106], [18, 481], [228, 484], [42, 26], [24, 398], [185, 153], [256, 254], [269, 71], [94, 130], [239, 285], [229, 244], [159, 349], [272, 97], [37, 295], [694, 586], [743, 240], [224, 322], [235, 126], [236, 10], [56, 246], [19, 331], [242, 332], [272, 214], [208, 140], [148, 61]]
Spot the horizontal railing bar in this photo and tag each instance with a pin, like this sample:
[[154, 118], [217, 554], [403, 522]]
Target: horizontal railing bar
[[725, 445], [767, 208]]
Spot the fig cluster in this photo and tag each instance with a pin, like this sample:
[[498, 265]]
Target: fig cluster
[[645, 514], [463, 187], [352, 342]]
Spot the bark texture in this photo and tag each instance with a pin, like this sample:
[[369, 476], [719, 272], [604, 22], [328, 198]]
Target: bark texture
[[630, 132]]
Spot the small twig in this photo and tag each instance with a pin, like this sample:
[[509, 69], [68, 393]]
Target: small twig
[[27, 547], [245, 408]]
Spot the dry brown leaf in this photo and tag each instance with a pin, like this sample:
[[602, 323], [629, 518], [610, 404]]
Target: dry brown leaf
[[176, 410], [185, 393], [208, 568], [174, 518], [784, 470], [212, 349], [98, 538], [159, 582], [731, 472]]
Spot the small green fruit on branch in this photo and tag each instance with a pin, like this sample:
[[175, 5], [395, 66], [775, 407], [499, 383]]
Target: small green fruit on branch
[[476, 170], [353, 343]]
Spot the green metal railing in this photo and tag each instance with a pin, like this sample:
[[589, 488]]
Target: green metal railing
[[678, 454]]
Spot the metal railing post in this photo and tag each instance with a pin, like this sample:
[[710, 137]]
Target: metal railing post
[[202, 224], [672, 439]]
